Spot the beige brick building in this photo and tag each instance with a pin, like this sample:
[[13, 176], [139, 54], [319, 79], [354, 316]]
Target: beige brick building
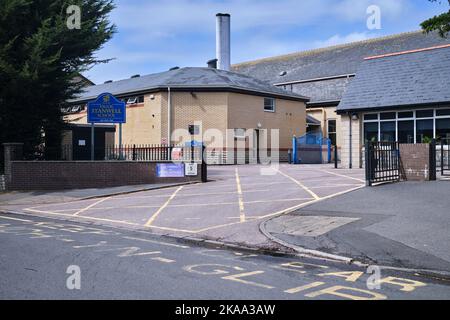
[[220, 106]]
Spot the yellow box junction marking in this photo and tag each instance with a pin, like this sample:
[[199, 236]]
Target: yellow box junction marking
[[156, 214], [90, 206], [240, 196], [344, 176], [305, 287], [315, 196]]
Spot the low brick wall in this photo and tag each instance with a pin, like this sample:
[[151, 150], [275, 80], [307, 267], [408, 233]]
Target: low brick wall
[[415, 161], [58, 175]]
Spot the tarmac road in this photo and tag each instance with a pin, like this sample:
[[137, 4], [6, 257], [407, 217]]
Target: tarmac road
[[114, 263]]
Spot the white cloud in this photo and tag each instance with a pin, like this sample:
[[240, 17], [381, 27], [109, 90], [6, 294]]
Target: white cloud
[[338, 39], [158, 34]]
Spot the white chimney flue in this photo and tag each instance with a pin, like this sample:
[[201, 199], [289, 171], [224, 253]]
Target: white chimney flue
[[223, 35]]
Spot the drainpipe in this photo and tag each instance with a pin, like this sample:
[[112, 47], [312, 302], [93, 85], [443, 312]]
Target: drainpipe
[[350, 164], [169, 114]]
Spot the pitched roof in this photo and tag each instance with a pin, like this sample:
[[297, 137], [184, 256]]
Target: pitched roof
[[404, 79], [312, 121], [188, 79], [333, 61]]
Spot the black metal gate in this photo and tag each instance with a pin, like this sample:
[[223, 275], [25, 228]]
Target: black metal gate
[[443, 156], [382, 162]]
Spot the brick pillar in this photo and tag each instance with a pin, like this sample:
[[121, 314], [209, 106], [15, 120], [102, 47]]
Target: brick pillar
[[12, 152]]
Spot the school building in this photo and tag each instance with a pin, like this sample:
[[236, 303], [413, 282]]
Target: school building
[[404, 75], [225, 110]]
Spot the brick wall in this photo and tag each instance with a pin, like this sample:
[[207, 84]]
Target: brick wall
[[415, 161], [57, 175]]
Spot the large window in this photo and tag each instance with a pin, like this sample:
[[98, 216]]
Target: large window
[[424, 131], [406, 131], [419, 126], [443, 128], [387, 131], [371, 132], [332, 131]]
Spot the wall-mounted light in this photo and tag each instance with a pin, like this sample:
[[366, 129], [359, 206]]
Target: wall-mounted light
[[259, 125], [355, 116]]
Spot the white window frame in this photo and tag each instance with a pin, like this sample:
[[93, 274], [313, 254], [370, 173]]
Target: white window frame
[[328, 127], [397, 120], [273, 105]]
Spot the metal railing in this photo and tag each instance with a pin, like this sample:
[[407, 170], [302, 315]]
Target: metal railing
[[133, 152], [443, 156], [382, 162]]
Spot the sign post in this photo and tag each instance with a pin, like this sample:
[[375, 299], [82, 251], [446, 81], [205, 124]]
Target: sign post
[[106, 109], [92, 141]]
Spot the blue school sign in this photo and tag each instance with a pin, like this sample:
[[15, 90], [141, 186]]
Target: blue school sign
[[106, 109]]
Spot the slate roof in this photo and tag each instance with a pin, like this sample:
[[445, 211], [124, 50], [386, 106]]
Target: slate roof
[[189, 79], [333, 61], [406, 79], [311, 120]]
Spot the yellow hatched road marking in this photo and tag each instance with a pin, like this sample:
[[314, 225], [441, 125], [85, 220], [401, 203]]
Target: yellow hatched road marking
[[158, 242], [90, 206], [156, 214], [15, 219], [315, 196], [305, 287], [241, 199], [164, 260], [344, 176]]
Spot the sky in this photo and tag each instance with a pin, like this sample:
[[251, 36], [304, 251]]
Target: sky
[[156, 35]]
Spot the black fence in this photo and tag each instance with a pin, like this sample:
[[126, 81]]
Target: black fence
[[2, 159], [443, 157], [382, 162], [134, 152]]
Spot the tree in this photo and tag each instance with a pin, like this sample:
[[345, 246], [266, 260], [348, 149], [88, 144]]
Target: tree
[[440, 23], [39, 58]]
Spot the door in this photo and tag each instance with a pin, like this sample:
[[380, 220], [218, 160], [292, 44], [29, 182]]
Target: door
[[81, 143]]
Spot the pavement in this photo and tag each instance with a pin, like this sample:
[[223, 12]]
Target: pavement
[[402, 225], [47, 197], [46, 258], [228, 209]]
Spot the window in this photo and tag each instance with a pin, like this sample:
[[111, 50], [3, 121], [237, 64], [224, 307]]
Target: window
[[442, 128], [132, 100], [405, 115], [194, 129], [406, 131], [442, 112], [387, 116], [387, 131], [373, 116], [424, 114], [239, 133], [332, 131], [424, 130], [371, 131], [269, 104], [408, 126]]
